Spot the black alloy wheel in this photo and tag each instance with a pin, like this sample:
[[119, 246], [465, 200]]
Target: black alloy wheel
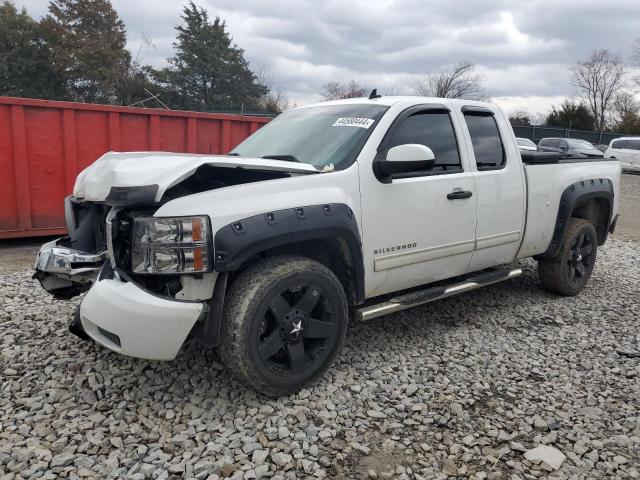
[[580, 258], [568, 272], [284, 322], [295, 330]]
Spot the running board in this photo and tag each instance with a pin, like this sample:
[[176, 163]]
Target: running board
[[402, 302]]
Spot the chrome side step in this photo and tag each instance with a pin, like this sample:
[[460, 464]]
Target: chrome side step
[[402, 302]]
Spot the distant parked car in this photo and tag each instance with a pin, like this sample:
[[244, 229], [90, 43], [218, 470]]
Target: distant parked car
[[526, 145], [602, 147], [627, 150], [573, 147]]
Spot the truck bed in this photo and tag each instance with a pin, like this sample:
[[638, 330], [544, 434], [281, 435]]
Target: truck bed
[[548, 176]]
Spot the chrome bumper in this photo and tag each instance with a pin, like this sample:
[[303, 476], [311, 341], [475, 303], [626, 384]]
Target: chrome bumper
[[66, 272]]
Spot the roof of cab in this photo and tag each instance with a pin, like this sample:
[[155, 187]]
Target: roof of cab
[[407, 99]]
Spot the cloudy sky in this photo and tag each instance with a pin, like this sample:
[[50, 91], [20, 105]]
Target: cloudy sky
[[522, 48]]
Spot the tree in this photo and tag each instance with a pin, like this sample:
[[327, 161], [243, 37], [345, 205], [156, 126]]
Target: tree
[[520, 118], [598, 79], [276, 99], [337, 91], [26, 63], [625, 114], [571, 114], [89, 47], [209, 71], [393, 90], [456, 81]]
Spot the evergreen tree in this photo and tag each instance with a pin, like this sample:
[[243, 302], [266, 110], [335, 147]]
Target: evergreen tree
[[575, 115], [208, 72], [89, 45], [26, 63]]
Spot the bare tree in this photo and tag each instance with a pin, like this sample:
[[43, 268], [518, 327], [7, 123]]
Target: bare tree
[[276, 99], [393, 90], [456, 81], [337, 90], [598, 79]]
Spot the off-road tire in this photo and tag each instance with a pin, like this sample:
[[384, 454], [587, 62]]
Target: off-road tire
[[555, 273], [248, 309]]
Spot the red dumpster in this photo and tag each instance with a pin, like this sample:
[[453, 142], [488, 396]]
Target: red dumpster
[[45, 144]]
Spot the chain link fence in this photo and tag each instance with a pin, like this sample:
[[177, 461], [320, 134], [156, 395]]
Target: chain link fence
[[536, 132]]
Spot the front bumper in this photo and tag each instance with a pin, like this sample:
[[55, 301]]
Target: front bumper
[[64, 271], [128, 320]]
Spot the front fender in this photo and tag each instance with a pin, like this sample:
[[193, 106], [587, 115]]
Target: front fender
[[240, 240]]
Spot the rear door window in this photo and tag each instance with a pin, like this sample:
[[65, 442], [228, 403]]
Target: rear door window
[[487, 143]]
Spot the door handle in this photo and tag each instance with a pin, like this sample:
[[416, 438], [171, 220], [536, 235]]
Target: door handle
[[457, 194]]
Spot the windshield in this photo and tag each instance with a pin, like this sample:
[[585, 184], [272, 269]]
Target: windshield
[[324, 136], [525, 142], [583, 144]]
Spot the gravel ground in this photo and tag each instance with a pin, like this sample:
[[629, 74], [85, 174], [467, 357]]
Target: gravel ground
[[463, 387], [629, 225]]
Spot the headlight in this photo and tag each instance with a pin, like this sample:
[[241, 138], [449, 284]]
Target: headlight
[[170, 245]]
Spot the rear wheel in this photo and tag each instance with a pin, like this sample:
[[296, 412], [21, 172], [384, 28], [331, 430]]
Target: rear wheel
[[284, 323], [568, 272]]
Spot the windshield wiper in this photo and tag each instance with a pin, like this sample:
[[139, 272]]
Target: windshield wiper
[[286, 158]]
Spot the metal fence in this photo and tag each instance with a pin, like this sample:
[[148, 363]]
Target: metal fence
[[536, 132]]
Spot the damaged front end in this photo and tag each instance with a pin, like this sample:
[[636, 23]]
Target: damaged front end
[[149, 279], [67, 267]]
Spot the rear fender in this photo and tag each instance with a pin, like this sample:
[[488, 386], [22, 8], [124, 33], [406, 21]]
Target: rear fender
[[573, 195]]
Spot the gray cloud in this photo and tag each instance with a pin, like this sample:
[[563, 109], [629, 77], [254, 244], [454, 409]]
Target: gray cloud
[[523, 47]]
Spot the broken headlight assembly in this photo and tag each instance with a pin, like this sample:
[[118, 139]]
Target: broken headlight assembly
[[171, 245]]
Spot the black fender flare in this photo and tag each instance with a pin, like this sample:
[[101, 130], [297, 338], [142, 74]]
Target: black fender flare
[[572, 196], [238, 241]]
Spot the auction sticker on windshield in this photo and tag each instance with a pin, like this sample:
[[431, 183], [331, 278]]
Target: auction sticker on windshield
[[353, 122]]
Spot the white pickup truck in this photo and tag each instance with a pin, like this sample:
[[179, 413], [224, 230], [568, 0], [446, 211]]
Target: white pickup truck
[[341, 210]]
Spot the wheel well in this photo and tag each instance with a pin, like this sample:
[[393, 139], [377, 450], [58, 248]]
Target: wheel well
[[597, 211], [333, 253]]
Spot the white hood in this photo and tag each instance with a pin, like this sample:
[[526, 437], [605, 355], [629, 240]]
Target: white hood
[[136, 169]]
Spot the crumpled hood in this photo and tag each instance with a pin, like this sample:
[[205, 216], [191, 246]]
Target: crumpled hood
[[135, 169]]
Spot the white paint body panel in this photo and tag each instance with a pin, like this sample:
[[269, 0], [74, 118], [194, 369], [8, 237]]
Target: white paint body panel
[[501, 200], [413, 210], [226, 205], [148, 326], [545, 186]]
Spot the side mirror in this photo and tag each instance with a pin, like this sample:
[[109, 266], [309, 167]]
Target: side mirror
[[410, 157], [563, 148]]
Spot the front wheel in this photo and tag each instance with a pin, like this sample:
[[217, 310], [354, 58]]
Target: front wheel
[[568, 272], [283, 324]]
